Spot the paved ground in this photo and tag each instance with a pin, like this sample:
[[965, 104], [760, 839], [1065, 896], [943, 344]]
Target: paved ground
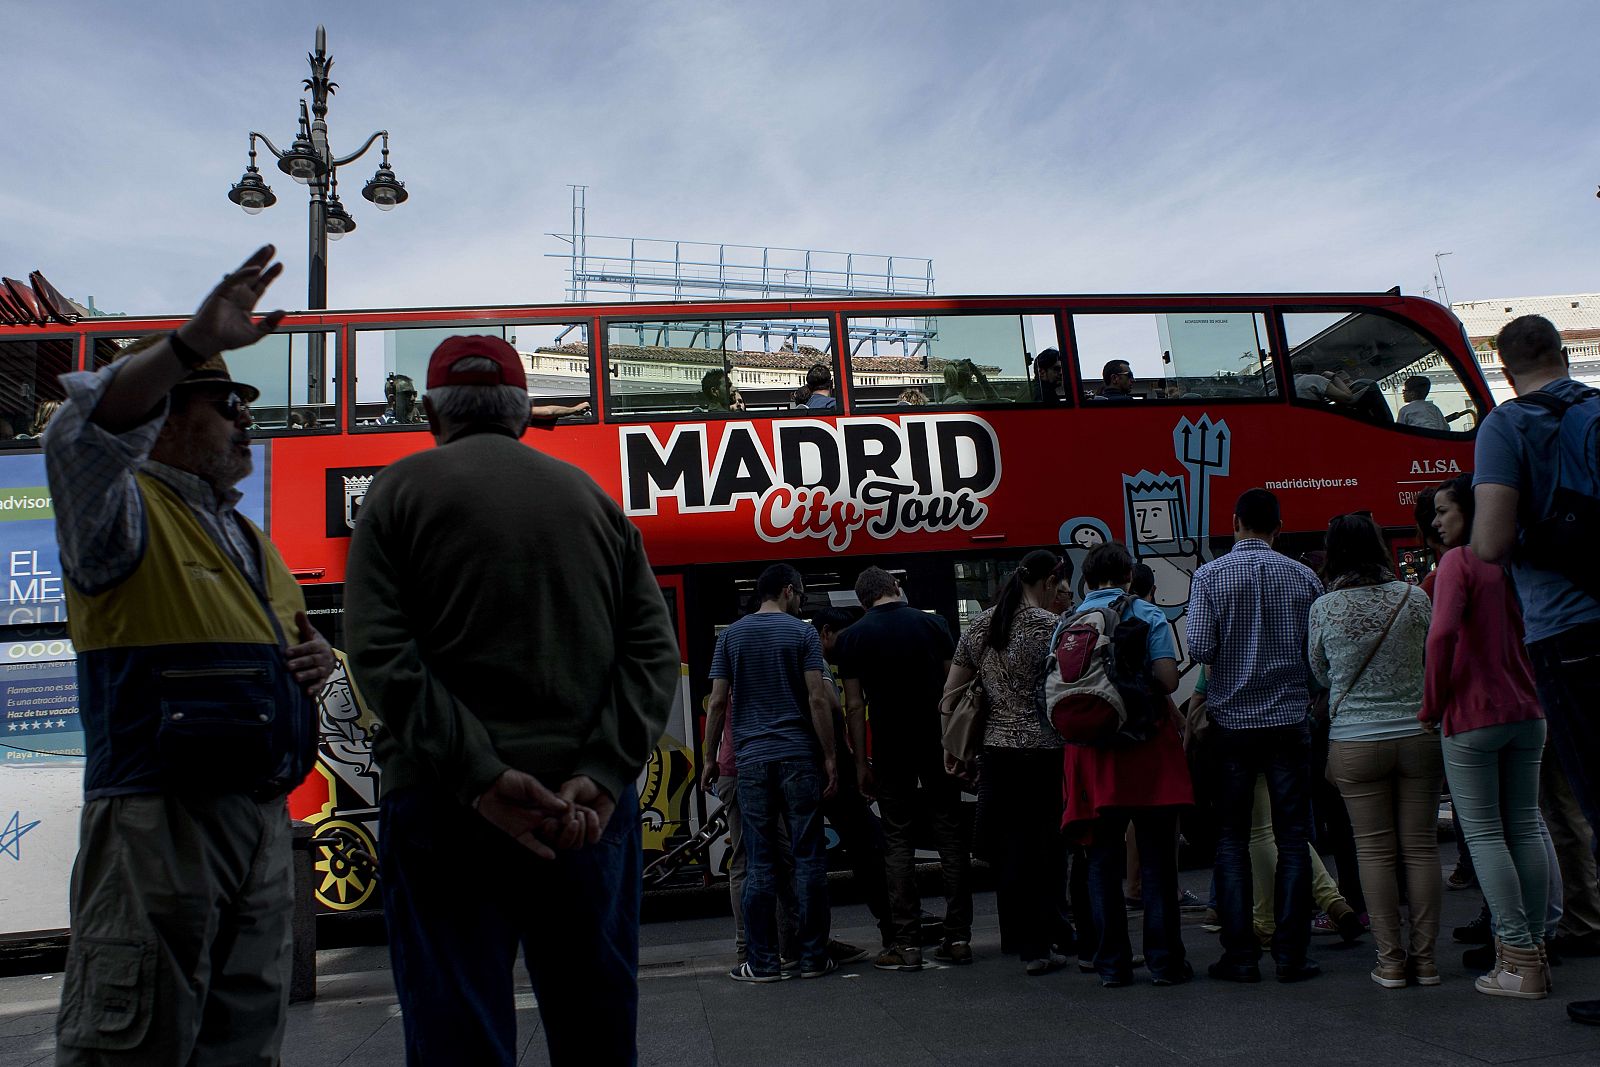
[[690, 1013]]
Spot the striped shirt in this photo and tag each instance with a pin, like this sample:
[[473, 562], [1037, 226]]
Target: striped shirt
[[99, 512], [765, 657], [1249, 612]]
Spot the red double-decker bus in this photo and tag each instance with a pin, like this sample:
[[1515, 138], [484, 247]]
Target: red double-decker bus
[[933, 451]]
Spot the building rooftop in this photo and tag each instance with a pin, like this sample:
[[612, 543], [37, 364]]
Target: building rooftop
[[1574, 314]]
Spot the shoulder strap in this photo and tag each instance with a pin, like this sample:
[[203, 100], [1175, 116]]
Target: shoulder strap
[[1405, 597], [1539, 398]]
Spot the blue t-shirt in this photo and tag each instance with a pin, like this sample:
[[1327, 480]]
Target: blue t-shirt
[[764, 657], [1516, 443], [822, 403], [1160, 645]]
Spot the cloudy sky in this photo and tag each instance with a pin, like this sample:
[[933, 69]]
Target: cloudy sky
[[1025, 147]]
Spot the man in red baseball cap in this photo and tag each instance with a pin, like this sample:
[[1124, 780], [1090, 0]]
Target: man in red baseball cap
[[506, 627], [506, 369]]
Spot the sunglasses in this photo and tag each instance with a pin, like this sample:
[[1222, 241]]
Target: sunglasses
[[231, 407]]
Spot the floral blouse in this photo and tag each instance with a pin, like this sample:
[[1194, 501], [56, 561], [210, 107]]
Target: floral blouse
[[1011, 677]]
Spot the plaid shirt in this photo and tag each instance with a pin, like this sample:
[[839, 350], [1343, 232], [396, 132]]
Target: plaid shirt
[[1248, 615], [99, 512]]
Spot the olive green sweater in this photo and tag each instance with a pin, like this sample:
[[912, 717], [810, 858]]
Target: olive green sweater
[[500, 612]]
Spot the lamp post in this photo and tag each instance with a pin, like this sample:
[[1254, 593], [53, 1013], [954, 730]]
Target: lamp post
[[311, 162]]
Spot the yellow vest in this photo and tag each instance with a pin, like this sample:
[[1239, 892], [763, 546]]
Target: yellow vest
[[182, 678]]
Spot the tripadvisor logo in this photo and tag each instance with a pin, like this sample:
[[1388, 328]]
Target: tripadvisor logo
[[28, 502], [827, 480]]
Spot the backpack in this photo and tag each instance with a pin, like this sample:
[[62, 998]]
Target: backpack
[[1562, 539], [1096, 685]]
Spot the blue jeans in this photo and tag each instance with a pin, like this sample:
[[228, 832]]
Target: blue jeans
[[1494, 783], [1283, 754], [461, 897], [1156, 830], [790, 790]]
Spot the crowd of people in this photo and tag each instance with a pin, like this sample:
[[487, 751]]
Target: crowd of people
[[1389, 692], [193, 639]]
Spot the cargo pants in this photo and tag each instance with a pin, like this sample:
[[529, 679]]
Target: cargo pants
[[181, 933]]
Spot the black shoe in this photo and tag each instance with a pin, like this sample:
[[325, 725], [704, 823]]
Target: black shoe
[[1177, 976], [1476, 932], [1573, 946], [1234, 972], [1116, 981], [1299, 972], [1584, 1011], [1478, 959]]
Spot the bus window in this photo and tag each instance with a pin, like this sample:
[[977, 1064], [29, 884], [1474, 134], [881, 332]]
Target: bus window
[[556, 355], [28, 387], [978, 585], [392, 368], [946, 359], [1178, 355], [708, 366], [293, 370], [1376, 368]]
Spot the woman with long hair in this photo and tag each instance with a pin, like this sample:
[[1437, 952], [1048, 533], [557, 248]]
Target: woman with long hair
[[1019, 768], [1480, 693], [1366, 643]]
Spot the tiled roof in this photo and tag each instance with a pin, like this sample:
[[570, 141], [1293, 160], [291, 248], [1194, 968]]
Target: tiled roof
[[1572, 314]]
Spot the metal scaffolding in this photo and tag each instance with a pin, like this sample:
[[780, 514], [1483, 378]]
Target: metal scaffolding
[[657, 269]]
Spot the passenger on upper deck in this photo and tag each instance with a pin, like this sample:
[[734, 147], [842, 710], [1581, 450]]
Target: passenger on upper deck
[[400, 398], [1311, 384], [1362, 396], [819, 382], [1418, 409], [716, 392], [1118, 378], [1048, 386], [965, 383]]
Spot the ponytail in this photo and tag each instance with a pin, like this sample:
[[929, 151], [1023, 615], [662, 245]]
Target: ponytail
[[1036, 566]]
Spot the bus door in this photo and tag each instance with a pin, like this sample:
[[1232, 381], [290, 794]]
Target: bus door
[[669, 810]]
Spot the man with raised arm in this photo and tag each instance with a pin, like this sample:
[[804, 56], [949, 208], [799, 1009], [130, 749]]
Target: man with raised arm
[[196, 673], [511, 638]]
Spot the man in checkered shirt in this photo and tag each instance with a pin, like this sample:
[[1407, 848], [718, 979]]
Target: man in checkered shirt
[[1248, 616]]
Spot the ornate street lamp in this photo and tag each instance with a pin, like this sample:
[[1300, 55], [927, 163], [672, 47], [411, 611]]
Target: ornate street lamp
[[311, 162], [252, 193]]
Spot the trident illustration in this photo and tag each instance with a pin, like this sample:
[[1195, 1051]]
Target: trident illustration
[[1202, 447]]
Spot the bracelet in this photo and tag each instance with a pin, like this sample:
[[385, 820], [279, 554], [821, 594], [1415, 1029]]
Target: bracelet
[[186, 355]]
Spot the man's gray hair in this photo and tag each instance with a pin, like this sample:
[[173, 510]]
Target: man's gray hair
[[480, 403]]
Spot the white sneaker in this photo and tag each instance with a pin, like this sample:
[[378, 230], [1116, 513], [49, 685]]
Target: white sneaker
[[743, 973]]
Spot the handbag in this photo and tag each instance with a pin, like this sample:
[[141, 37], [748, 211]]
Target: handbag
[[1393, 615], [962, 712]]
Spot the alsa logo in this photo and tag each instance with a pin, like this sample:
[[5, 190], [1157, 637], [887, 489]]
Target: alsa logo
[[820, 479], [1435, 466]]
